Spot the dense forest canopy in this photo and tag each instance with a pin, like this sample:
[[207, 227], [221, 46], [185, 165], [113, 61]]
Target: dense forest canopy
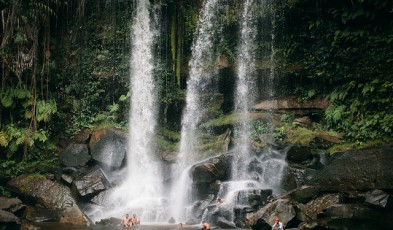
[[65, 67]]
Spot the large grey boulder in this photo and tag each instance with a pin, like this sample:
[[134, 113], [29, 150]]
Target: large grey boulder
[[75, 155], [50, 195], [308, 212], [362, 170], [90, 182], [304, 193], [208, 171], [199, 207], [108, 146], [264, 217]]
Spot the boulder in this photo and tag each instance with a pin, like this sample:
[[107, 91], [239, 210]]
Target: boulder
[[67, 179], [225, 224], [254, 197], [101, 197], [308, 212], [108, 146], [109, 222], [48, 194], [364, 169], [304, 193], [304, 121], [264, 217], [90, 182], [37, 214], [11, 204], [357, 216], [199, 207], [299, 154], [216, 168], [75, 155], [379, 198], [169, 157], [7, 217]]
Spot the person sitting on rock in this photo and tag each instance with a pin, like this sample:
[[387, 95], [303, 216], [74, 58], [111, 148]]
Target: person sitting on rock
[[205, 225], [126, 221], [277, 225], [134, 220]]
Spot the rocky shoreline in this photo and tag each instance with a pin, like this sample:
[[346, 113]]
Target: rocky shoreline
[[320, 191]]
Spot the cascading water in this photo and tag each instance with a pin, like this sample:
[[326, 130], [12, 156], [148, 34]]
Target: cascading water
[[249, 171], [141, 188], [200, 88], [245, 91]]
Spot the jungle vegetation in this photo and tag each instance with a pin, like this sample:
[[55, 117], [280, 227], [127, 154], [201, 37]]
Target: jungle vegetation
[[65, 67]]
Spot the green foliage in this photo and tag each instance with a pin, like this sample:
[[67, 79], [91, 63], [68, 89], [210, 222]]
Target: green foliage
[[3, 139], [222, 121], [287, 118], [326, 56], [279, 134], [45, 109], [14, 137], [4, 192]]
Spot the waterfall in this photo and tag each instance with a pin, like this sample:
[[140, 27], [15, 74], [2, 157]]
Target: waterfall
[[245, 91], [141, 188], [263, 171], [200, 88]]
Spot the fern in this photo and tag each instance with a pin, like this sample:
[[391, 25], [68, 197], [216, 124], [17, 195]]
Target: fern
[[45, 109]]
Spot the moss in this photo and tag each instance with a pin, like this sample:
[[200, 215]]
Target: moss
[[167, 140], [211, 145], [225, 120], [342, 147], [299, 135], [30, 179]]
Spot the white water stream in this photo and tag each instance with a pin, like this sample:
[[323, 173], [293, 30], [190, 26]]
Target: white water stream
[[141, 189], [200, 87], [266, 169]]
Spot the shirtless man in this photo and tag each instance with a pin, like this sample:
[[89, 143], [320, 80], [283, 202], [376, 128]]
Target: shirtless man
[[134, 220], [205, 225], [125, 222]]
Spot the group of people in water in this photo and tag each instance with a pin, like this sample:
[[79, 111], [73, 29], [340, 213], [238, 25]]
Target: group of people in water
[[129, 221]]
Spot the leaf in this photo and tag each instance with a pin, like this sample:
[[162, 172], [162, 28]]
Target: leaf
[[3, 139], [6, 100]]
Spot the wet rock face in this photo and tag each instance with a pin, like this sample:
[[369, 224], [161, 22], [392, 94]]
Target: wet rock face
[[216, 168], [304, 194], [49, 195], [308, 212], [45, 192], [75, 155], [362, 170], [199, 207], [380, 199], [90, 182], [264, 218], [108, 147]]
